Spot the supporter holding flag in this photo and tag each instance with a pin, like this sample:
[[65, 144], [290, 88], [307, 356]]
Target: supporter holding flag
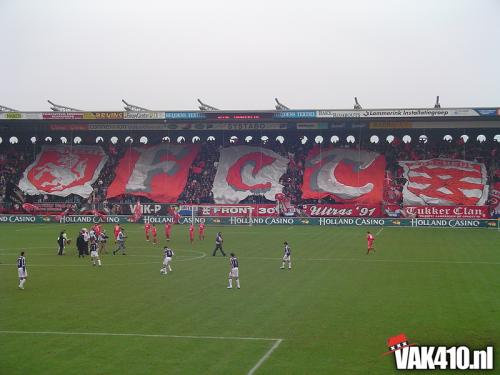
[[98, 214], [62, 214]]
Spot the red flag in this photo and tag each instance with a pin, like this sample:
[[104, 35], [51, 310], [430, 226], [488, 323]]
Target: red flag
[[99, 214], [62, 214], [157, 172], [345, 175], [31, 208]]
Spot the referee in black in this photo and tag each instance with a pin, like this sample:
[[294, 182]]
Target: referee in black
[[61, 241], [81, 245], [218, 244]]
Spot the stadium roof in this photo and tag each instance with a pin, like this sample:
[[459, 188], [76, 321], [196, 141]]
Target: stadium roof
[[247, 115]]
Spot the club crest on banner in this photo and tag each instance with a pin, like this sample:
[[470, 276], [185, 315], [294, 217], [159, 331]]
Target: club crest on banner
[[444, 182], [64, 170]]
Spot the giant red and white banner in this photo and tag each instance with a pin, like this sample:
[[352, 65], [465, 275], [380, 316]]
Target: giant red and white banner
[[346, 175], [63, 170], [444, 182], [447, 212], [248, 170], [157, 172]]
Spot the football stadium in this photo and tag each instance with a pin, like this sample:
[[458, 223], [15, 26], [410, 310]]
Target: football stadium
[[361, 234]]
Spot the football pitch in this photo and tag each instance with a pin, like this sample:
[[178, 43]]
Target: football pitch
[[331, 314]]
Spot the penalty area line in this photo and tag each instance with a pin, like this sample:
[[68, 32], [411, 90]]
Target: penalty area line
[[267, 354], [265, 357], [139, 335]]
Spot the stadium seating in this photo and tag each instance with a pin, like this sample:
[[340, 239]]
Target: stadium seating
[[198, 189]]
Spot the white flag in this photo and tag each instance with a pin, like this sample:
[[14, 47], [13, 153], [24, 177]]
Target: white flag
[[64, 170], [444, 182], [245, 171]]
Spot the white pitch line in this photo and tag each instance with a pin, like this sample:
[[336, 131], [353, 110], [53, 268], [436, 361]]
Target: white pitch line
[[159, 249], [380, 231], [184, 257], [278, 259], [107, 264], [265, 356], [142, 335], [28, 247], [376, 260]]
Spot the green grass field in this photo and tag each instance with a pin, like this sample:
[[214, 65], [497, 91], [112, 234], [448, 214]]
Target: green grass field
[[331, 314]]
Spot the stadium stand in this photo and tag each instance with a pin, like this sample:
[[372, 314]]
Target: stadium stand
[[198, 189]]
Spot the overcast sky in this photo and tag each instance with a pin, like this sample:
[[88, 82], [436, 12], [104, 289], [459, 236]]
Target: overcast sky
[[236, 54]]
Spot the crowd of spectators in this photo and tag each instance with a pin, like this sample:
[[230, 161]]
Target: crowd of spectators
[[201, 176], [13, 162], [198, 190]]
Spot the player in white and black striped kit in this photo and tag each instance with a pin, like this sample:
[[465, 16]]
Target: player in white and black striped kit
[[287, 257], [167, 259], [233, 272], [94, 253], [21, 270]]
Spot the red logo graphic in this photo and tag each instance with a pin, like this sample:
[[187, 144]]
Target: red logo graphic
[[64, 170], [453, 181], [444, 182], [245, 171], [398, 342], [258, 160], [346, 175]]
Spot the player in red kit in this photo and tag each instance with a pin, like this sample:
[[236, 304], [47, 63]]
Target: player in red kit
[[176, 216], [191, 233], [147, 229], [201, 231], [168, 230], [370, 238], [97, 229], [154, 233], [116, 231]]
